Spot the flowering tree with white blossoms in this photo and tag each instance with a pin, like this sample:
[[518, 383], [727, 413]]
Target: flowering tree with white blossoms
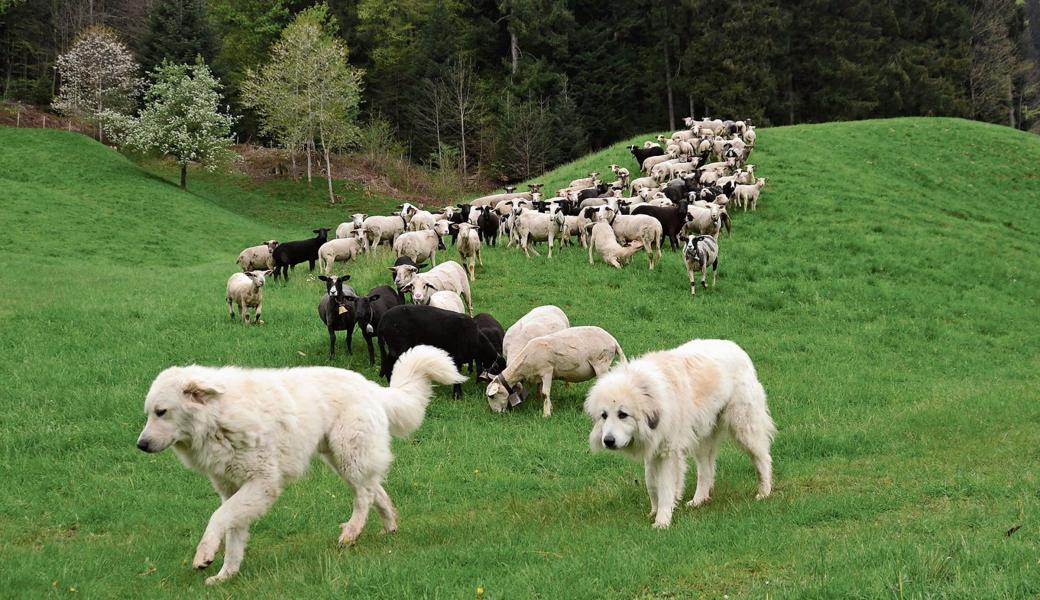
[[98, 74], [181, 118]]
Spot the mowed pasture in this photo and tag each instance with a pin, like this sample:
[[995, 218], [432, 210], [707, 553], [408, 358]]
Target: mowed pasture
[[887, 289]]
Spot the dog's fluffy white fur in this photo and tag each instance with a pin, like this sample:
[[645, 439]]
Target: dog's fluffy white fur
[[666, 405], [253, 430]]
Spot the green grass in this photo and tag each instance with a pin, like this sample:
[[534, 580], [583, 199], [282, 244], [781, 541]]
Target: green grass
[[886, 288]]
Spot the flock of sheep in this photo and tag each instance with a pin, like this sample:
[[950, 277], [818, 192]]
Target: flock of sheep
[[687, 183]]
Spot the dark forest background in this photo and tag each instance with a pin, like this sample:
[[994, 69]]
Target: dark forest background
[[509, 88]]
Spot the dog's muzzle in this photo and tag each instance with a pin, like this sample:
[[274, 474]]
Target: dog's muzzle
[[609, 442]]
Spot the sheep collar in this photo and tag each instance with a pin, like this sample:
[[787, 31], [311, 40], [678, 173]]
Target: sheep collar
[[516, 396]]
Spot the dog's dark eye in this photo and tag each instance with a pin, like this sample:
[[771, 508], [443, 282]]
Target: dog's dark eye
[[604, 415], [622, 414], [160, 412]]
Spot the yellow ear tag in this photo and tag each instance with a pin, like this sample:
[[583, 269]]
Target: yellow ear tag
[[342, 309]]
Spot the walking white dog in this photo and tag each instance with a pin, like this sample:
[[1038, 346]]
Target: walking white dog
[[253, 430], [668, 404]]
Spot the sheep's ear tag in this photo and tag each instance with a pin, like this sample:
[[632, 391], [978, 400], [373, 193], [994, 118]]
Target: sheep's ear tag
[[342, 309]]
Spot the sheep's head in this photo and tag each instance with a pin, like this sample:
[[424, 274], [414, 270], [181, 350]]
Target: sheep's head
[[421, 291], [271, 244], [760, 182], [258, 277], [322, 233], [403, 275], [500, 394], [358, 219]]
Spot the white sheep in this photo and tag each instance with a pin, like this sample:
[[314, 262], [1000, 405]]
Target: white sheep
[[653, 161], [707, 220], [750, 136], [246, 290], [585, 182], [258, 257], [574, 225], [622, 174], [344, 249], [748, 194], [642, 183], [448, 276], [421, 220], [538, 321], [442, 227], [346, 230], [572, 355], [419, 245], [494, 199], [377, 229], [642, 228], [612, 253], [448, 300], [533, 226], [468, 244]]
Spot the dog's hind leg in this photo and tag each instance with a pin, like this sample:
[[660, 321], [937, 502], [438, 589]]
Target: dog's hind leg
[[753, 429], [362, 459], [386, 510]]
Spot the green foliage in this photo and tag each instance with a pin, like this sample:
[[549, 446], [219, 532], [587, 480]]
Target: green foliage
[[182, 118], [891, 318], [178, 31]]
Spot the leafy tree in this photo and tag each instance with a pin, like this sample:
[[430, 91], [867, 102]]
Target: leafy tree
[[98, 74], [178, 31], [181, 119], [307, 93]]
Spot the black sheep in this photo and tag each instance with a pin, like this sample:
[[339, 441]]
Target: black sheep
[[487, 225], [369, 310], [493, 331], [289, 254], [336, 309], [593, 192], [641, 154], [672, 218], [409, 325]]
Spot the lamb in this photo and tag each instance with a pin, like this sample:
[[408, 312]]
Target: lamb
[[409, 325], [246, 290], [419, 245], [748, 194], [643, 228], [446, 300], [532, 226], [487, 226], [295, 252], [707, 221], [572, 355], [336, 310], [377, 229], [701, 251], [369, 310], [345, 249], [610, 250], [258, 257], [539, 321], [621, 173], [447, 276], [468, 245]]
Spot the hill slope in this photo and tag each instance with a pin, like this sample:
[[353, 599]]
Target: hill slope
[[886, 289]]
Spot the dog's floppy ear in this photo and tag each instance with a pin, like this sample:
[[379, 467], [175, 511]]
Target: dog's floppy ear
[[201, 392], [652, 419]]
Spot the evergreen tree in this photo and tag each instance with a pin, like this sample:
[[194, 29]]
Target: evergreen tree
[[178, 31]]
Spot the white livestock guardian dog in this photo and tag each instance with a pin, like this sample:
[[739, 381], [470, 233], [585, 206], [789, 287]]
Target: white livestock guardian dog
[[668, 404], [253, 430]]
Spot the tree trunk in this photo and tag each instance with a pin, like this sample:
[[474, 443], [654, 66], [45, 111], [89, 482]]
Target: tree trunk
[[184, 176], [668, 84], [514, 49], [328, 165], [308, 145], [462, 134], [692, 114]]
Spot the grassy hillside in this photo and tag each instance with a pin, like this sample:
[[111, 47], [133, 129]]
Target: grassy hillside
[[886, 288]]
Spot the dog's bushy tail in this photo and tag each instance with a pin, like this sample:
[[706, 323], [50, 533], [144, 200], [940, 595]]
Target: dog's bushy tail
[[411, 386]]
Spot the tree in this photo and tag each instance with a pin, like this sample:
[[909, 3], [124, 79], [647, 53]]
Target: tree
[[307, 93], [98, 74], [181, 118], [993, 62], [178, 31]]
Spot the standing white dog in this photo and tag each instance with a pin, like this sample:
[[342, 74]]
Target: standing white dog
[[253, 430], [668, 404]]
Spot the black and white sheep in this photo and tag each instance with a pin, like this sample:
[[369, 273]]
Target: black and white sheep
[[336, 309]]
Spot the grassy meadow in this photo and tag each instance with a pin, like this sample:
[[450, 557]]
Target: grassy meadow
[[887, 289]]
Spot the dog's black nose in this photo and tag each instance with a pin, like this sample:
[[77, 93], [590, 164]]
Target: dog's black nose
[[608, 441], [142, 445]]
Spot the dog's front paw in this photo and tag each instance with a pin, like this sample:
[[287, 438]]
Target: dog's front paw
[[218, 578], [205, 554], [348, 534], [698, 501], [659, 524]]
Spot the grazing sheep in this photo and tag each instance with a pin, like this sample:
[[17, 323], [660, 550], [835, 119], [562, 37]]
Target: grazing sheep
[[612, 253], [258, 257], [744, 195], [369, 310], [419, 245], [298, 251], [491, 328], [336, 309], [377, 229], [446, 300], [707, 221], [446, 276], [468, 244], [701, 251], [572, 355], [539, 321], [345, 249], [532, 226], [246, 290], [643, 228]]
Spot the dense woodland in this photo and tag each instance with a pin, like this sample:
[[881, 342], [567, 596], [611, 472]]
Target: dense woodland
[[505, 89]]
